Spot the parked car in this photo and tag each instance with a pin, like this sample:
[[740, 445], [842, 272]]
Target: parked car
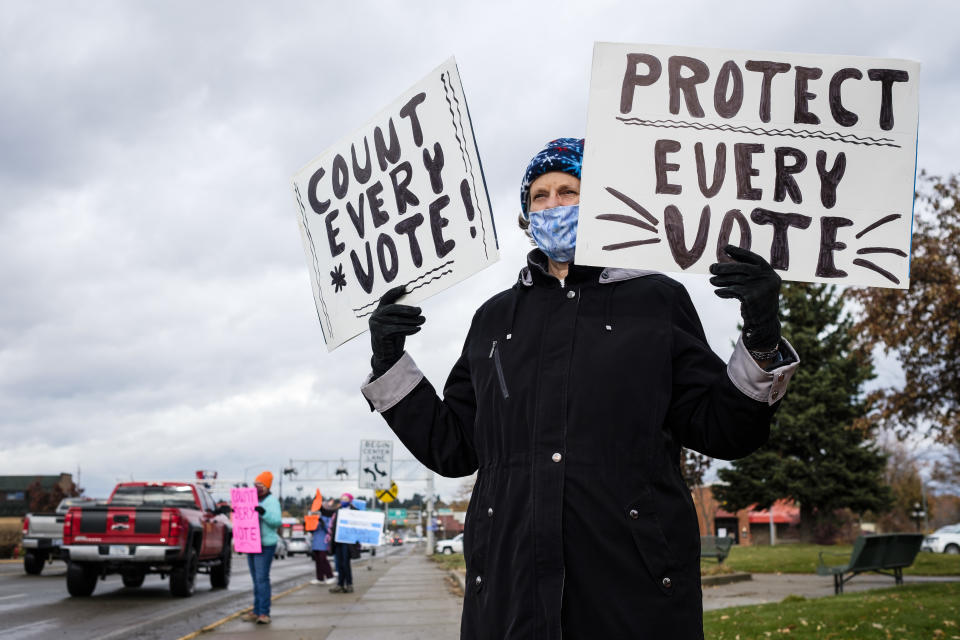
[[299, 544], [280, 551], [43, 534], [452, 545], [171, 528], [944, 540]]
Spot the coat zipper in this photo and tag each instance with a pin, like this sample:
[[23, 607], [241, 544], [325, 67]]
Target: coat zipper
[[495, 354]]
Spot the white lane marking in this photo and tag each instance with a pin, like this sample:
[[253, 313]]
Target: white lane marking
[[30, 629], [16, 595]]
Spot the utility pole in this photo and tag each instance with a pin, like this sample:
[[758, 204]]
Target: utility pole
[[430, 504]]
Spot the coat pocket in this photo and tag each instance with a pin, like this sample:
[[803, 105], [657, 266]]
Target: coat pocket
[[498, 366], [651, 544]]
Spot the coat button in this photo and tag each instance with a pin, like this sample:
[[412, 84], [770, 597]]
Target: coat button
[[634, 514], [571, 294], [556, 457], [490, 512], [775, 394], [666, 582], [479, 580], [604, 275], [780, 377]]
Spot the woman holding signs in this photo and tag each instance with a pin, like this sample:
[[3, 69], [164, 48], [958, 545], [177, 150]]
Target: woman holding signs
[[575, 390]]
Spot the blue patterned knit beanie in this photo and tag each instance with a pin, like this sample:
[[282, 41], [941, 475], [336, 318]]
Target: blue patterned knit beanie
[[562, 154]]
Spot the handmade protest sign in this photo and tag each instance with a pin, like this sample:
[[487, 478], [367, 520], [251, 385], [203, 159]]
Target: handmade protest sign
[[246, 522], [808, 160], [402, 200], [359, 526]]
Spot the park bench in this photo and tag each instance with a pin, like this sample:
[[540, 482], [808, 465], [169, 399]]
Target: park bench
[[715, 547], [876, 553]]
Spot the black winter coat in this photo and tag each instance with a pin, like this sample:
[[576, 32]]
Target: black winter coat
[[573, 402]]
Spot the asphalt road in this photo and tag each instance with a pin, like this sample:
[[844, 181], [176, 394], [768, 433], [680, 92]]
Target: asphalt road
[[40, 607]]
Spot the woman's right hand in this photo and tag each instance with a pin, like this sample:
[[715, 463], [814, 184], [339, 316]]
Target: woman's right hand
[[390, 324]]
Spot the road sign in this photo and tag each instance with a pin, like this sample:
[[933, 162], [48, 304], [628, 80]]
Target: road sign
[[387, 495], [376, 458], [397, 514]]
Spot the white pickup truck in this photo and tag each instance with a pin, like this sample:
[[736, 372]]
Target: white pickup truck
[[43, 535], [453, 545]]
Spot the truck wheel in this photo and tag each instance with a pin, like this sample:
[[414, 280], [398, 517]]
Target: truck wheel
[[447, 551], [133, 579], [220, 574], [33, 562], [82, 579], [183, 578], [952, 549]]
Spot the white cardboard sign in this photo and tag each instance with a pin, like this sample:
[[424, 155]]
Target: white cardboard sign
[[808, 160], [402, 200]]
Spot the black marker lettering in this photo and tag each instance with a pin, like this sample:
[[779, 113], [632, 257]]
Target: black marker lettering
[[409, 226], [402, 194], [384, 153], [768, 69], [357, 219], [386, 245], [785, 183], [781, 222], [842, 117], [728, 107], [433, 166], [830, 179], [673, 222], [365, 278], [317, 206], [660, 150], [801, 111], [726, 227], [887, 77], [829, 244], [362, 174], [437, 223], [687, 85], [336, 248], [631, 80], [341, 177], [409, 110], [743, 162], [719, 169], [378, 215]]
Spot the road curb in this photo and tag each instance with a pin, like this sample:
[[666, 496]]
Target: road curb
[[460, 578], [725, 578], [213, 625]]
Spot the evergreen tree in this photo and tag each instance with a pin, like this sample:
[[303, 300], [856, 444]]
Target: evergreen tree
[[820, 452]]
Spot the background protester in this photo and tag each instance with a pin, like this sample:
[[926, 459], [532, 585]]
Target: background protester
[[573, 395], [342, 551], [259, 563], [321, 543]]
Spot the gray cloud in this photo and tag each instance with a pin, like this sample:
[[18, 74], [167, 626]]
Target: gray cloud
[[155, 309]]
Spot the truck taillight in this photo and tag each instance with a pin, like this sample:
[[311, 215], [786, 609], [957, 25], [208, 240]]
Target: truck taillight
[[176, 526], [26, 525], [68, 528]]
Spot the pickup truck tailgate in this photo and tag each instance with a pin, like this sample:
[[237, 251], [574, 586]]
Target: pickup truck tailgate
[[122, 525]]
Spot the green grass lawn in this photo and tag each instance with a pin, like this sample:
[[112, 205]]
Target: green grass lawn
[[910, 612], [802, 558]]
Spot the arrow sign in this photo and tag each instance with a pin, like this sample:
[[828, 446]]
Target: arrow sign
[[376, 460]]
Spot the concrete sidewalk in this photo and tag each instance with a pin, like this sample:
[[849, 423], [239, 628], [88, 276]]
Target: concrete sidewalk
[[403, 597]]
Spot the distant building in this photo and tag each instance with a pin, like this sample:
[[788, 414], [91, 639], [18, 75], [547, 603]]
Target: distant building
[[14, 491], [747, 526]]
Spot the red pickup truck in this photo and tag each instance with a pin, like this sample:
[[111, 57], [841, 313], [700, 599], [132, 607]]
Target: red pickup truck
[[170, 528]]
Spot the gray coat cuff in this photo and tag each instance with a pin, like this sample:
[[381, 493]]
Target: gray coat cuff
[[394, 385], [757, 383]]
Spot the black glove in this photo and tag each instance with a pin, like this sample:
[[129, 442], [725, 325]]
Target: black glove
[[260, 510], [390, 324], [753, 281]]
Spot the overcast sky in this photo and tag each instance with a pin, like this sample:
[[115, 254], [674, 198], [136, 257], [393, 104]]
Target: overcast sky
[[155, 307]]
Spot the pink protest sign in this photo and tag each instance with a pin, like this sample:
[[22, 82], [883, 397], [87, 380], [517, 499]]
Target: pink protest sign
[[246, 522]]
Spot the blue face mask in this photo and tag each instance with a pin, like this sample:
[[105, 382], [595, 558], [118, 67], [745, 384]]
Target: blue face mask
[[555, 231]]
